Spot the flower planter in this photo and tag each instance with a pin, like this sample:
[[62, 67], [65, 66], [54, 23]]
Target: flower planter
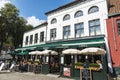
[[78, 67], [95, 68]]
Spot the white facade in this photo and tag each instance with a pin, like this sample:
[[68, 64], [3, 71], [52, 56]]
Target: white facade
[[71, 10], [58, 14], [38, 30], [83, 6]]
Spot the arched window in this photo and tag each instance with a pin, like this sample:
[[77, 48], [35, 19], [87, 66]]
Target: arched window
[[93, 9], [66, 17], [78, 14], [54, 20]]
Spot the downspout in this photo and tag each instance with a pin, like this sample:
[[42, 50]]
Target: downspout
[[114, 34], [46, 33]]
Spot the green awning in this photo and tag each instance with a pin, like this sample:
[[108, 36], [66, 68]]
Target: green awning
[[94, 41], [25, 48], [23, 53], [90, 42], [12, 52]]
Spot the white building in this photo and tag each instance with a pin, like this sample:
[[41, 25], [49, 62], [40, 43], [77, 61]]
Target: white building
[[78, 19], [78, 24], [89, 16], [35, 36]]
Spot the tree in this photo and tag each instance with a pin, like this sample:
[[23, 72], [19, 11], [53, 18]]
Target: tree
[[12, 26], [17, 32], [8, 16]]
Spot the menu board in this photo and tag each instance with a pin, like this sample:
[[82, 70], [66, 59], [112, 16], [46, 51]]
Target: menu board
[[66, 71], [85, 74]]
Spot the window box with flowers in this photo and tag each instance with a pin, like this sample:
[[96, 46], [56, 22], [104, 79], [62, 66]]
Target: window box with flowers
[[36, 62], [29, 62], [94, 67], [79, 65]]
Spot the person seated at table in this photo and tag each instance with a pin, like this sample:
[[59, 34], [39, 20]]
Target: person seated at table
[[100, 64]]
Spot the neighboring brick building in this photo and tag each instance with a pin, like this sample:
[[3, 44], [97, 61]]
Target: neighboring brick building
[[113, 29]]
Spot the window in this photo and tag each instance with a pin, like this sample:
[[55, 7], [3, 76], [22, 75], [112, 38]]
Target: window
[[31, 39], [36, 38], [78, 14], [42, 36], [53, 34], [67, 59], [93, 9], [94, 27], [54, 20], [91, 58], [26, 40], [94, 58], [81, 58], [118, 26], [79, 30], [66, 17], [66, 32]]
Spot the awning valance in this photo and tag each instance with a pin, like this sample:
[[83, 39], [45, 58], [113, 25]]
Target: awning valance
[[23, 53], [25, 48]]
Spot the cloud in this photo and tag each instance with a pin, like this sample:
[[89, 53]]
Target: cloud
[[3, 2], [34, 21]]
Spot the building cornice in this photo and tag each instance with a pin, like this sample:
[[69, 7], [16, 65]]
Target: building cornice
[[44, 23], [67, 6], [113, 15]]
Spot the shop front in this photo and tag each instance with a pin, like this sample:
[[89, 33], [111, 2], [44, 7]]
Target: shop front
[[88, 65], [75, 62], [72, 64]]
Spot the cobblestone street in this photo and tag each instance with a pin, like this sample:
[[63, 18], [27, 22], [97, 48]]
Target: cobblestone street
[[29, 76]]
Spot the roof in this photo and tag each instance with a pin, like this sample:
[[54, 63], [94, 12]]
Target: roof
[[66, 6], [42, 24], [114, 7]]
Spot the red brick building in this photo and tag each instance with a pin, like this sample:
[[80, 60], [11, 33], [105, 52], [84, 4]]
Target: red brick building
[[113, 30]]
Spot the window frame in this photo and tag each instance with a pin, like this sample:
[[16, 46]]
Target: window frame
[[93, 9], [66, 17], [80, 29], [78, 14], [31, 39], [36, 38], [53, 21], [66, 31], [52, 34], [26, 40], [94, 27], [118, 26], [42, 34]]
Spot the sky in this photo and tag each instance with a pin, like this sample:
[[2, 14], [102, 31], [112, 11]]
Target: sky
[[34, 10]]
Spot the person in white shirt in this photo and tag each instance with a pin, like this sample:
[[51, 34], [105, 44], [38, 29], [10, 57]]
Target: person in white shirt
[[100, 64]]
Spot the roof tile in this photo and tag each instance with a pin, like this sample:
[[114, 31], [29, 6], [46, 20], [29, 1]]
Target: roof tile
[[114, 6]]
